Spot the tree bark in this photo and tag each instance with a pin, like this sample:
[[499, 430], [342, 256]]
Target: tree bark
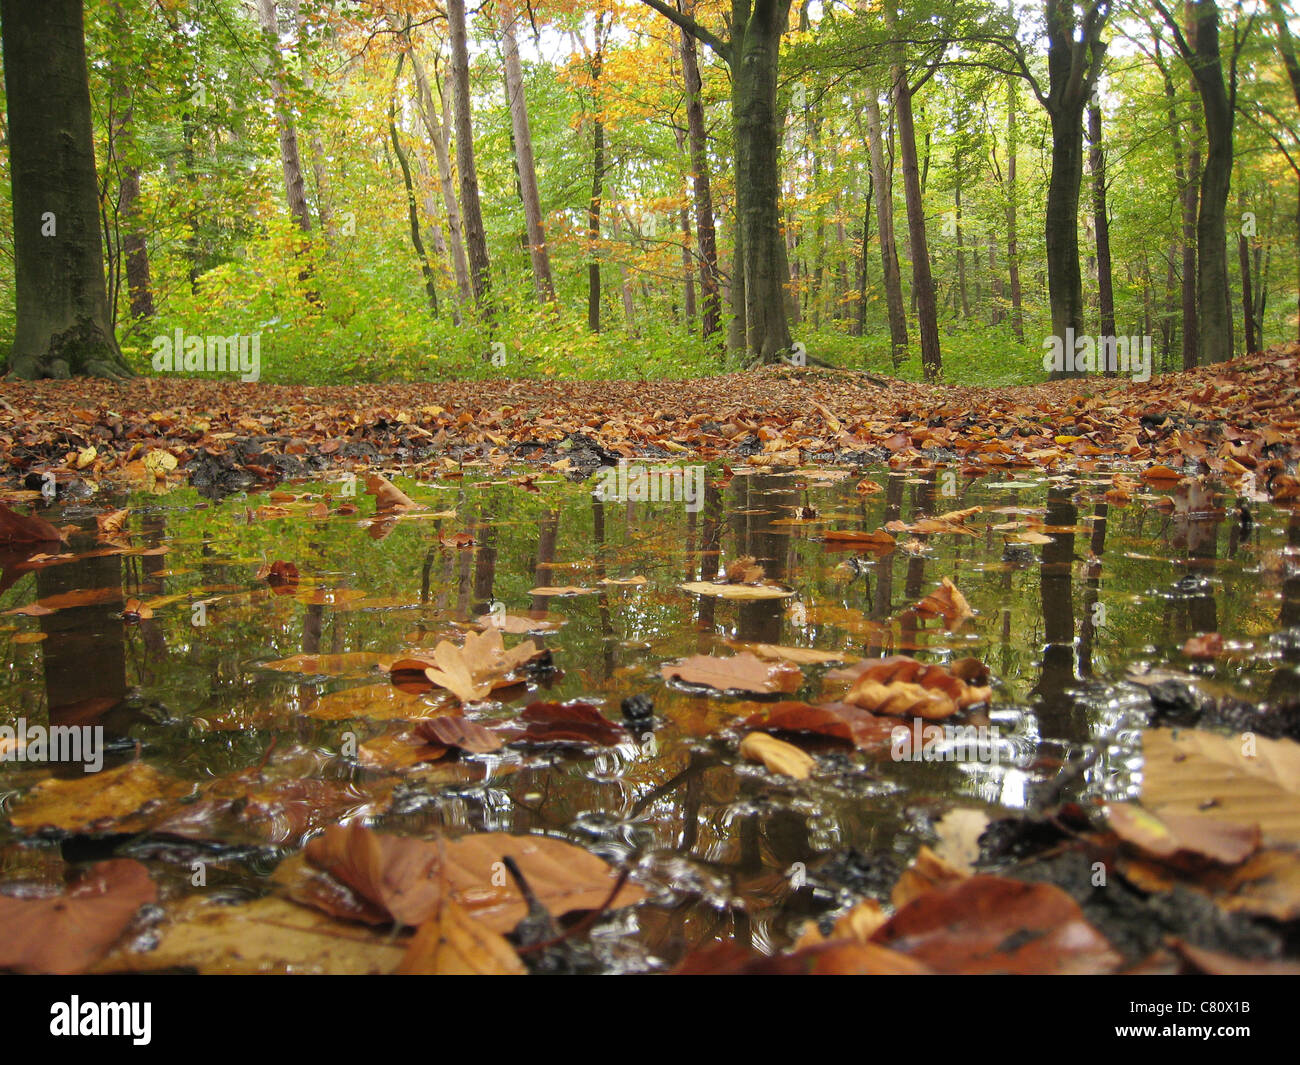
[[475, 236], [881, 185], [294, 190], [758, 142], [705, 235], [63, 322], [1101, 223], [541, 259], [438, 136], [927, 311], [1074, 58]]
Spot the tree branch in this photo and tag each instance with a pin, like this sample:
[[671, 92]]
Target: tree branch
[[685, 22]]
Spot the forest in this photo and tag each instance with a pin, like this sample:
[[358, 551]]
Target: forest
[[402, 190], [635, 487]]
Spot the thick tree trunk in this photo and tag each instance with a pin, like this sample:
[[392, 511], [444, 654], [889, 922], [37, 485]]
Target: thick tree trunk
[[1101, 223], [63, 322], [706, 237], [1064, 280], [1074, 57], [475, 236], [1214, 294], [294, 190], [537, 252], [881, 184], [758, 142]]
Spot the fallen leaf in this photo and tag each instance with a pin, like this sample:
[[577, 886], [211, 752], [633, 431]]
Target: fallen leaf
[[780, 757], [743, 672], [452, 943], [69, 932]]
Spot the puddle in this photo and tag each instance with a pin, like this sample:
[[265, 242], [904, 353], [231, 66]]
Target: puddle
[[166, 636]]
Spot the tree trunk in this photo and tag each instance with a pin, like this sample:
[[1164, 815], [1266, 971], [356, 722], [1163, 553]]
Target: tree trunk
[[927, 311], [1013, 215], [593, 223], [541, 259], [475, 236], [961, 248], [706, 237], [1074, 62], [430, 287], [881, 185], [1247, 298], [438, 136], [1101, 223], [1214, 295], [758, 143], [63, 322], [294, 190]]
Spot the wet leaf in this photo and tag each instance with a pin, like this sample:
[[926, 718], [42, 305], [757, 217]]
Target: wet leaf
[[784, 759], [71, 931], [452, 943], [457, 732], [399, 876], [1252, 780], [737, 591], [268, 935], [1183, 837], [95, 801], [16, 528], [389, 499], [743, 672], [988, 924], [572, 722]]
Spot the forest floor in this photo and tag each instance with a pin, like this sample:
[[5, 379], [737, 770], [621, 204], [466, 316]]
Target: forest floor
[[1234, 417]]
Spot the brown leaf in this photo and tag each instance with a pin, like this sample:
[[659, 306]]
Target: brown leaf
[[398, 875], [838, 720], [95, 800], [68, 933], [563, 876], [111, 522], [1183, 838], [575, 722], [743, 672], [947, 603], [988, 924], [388, 497], [745, 571], [901, 686], [457, 732], [17, 529], [452, 943]]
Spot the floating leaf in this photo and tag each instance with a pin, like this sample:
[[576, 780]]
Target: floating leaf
[[780, 757]]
